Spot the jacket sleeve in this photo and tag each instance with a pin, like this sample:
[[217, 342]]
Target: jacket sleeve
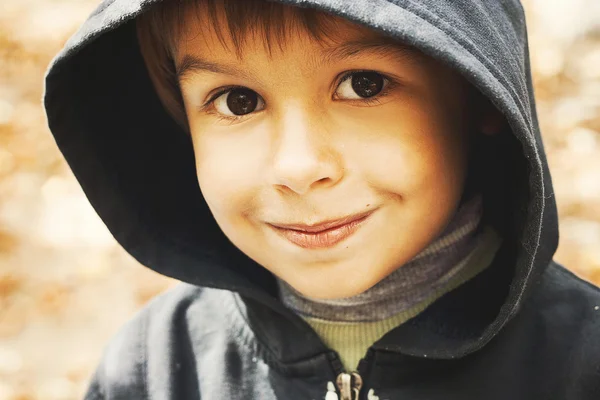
[[120, 375]]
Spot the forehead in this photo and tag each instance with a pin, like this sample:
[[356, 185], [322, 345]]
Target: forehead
[[201, 30], [207, 44]]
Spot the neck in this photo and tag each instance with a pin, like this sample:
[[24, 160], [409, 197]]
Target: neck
[[407, 286]]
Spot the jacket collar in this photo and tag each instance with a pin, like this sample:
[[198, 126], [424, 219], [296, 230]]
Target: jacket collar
[[452, 327]]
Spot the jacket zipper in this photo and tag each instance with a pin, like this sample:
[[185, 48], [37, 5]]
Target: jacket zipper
[[349, 384]]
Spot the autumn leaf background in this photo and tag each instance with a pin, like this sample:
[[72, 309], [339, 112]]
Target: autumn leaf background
[[66, 286]]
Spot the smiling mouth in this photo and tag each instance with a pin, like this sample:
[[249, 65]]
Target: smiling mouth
[[325, 225], [322, 235]]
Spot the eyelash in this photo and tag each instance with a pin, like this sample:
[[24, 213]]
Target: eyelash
[[208, 107]]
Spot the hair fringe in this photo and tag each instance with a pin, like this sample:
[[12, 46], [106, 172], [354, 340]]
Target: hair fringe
[[160, 26]]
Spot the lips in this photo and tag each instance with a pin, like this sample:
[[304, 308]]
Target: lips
[[324, 234], [322, 226]]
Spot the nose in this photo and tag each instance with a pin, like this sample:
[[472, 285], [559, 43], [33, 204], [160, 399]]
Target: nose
[[305, 157]]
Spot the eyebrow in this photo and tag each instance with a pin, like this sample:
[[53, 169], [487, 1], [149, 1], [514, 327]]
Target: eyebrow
[[384, 47]]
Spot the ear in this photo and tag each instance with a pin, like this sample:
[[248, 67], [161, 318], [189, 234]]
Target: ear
[[488, 119], [491, 121]]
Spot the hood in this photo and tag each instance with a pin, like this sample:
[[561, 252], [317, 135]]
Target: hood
[[136, 165]]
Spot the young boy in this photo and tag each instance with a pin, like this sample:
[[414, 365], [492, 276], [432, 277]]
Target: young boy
[[354, 193]]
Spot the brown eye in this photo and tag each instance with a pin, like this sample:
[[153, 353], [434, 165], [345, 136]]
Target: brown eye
[[242, 101], [238, 101], [365, 84]]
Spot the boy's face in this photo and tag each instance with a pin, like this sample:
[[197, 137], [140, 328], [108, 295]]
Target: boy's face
[[307, 147]]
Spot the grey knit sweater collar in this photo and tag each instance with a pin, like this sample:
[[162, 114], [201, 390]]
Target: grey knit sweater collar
[[407, 286]]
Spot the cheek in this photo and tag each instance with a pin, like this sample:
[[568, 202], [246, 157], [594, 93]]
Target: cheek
[[227, 169], [413, 154]]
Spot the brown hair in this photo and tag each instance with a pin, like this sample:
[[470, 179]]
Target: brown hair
[[158, 28]]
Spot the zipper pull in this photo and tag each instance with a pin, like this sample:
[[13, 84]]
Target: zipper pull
[[331, 392], [371, 395], [349, 385]]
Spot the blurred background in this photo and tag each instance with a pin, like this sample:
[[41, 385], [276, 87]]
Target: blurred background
[[65, 285]]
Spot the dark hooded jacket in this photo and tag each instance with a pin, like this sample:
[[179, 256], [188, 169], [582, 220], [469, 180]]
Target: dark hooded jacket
[[525, 328]]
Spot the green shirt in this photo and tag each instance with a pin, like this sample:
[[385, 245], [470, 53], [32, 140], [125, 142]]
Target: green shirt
[[352, 339]]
